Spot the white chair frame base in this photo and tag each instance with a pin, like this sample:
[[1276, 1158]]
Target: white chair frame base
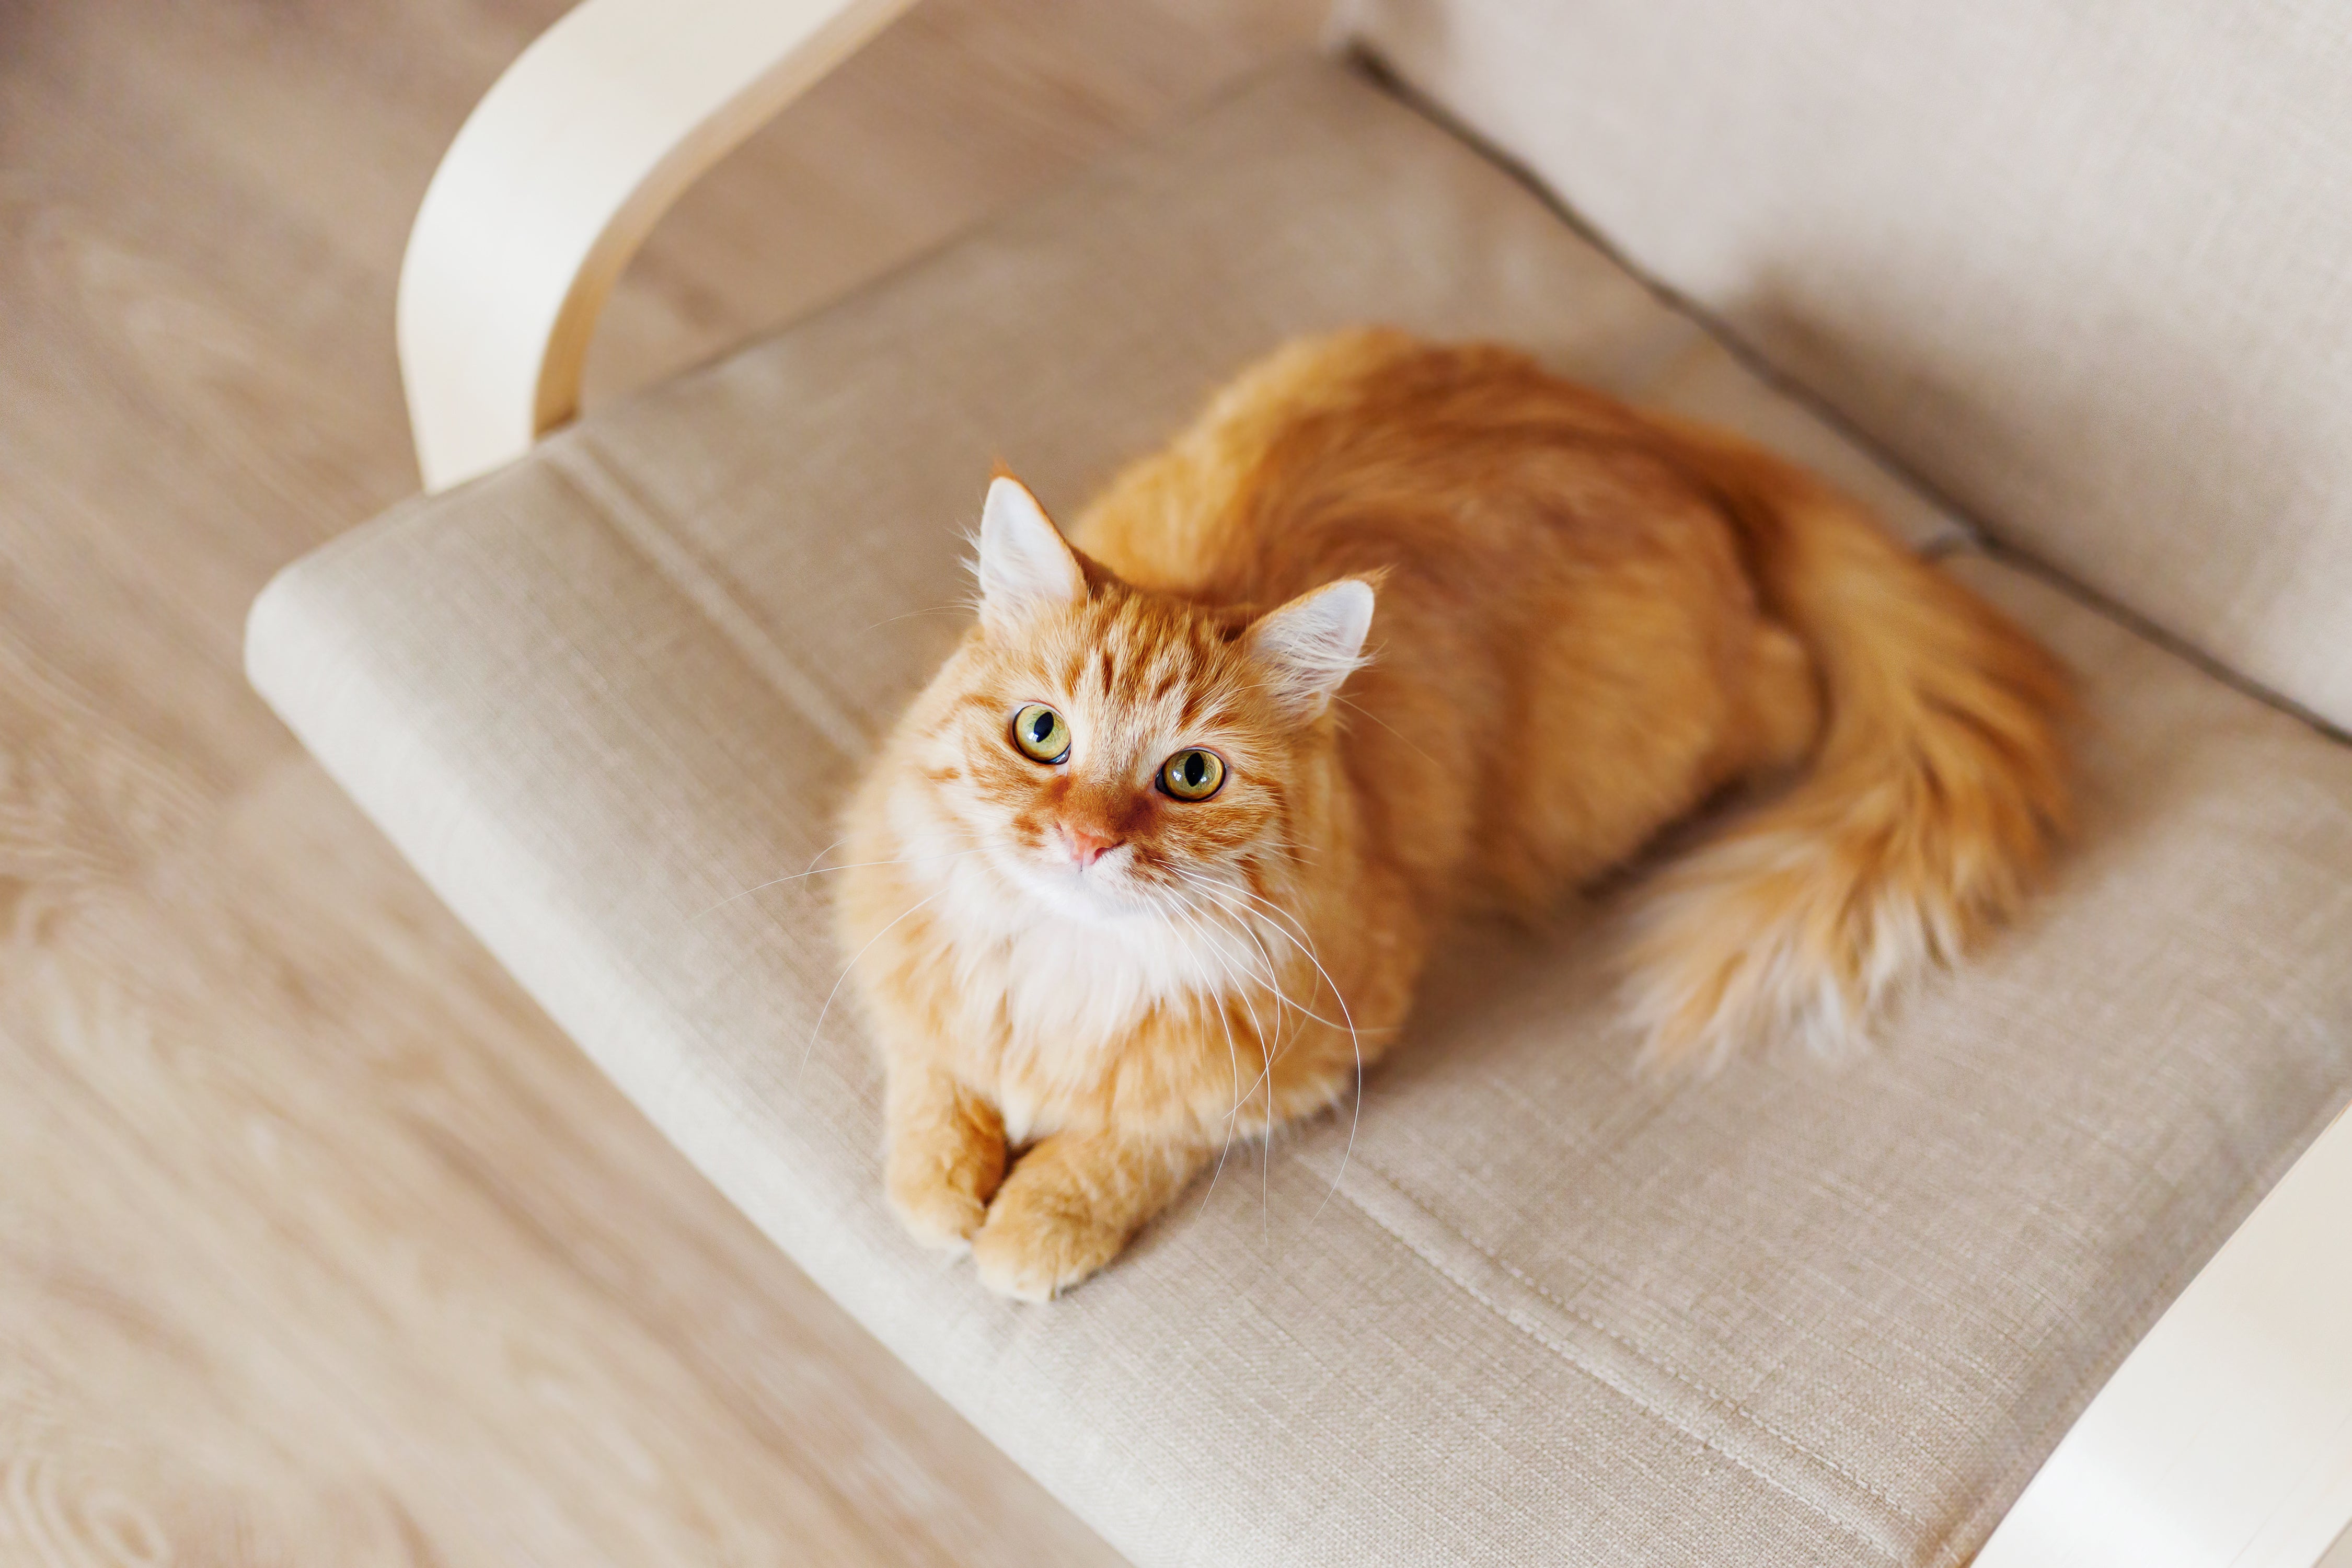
[[2224, 1441]]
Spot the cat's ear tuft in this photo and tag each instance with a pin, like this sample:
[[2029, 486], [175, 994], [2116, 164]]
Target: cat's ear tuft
[[1026, 566], [1313, 643]]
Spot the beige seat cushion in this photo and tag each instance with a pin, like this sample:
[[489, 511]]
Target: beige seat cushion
[[2087, 267], [1548, 1313]]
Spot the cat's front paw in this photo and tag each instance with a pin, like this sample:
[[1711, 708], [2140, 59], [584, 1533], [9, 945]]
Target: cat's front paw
[[941, 1185], [1034, 1250], [939, 1215], [946, 1158]]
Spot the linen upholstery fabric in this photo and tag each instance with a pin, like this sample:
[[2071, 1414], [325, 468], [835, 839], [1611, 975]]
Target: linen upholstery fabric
[[2087, 267], [1539, 1311]]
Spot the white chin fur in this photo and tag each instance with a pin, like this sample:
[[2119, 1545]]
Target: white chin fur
[[1067, 962], [1103, 893]]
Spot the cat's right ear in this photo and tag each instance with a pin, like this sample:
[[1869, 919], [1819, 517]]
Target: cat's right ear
[[1025, 565], [1313, 643]]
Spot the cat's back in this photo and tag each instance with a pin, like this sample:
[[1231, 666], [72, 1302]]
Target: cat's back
[[1373, 450], [1178, 520]]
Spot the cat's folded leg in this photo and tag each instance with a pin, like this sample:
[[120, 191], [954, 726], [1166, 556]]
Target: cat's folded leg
[[946, 1154], [1071, 1204]]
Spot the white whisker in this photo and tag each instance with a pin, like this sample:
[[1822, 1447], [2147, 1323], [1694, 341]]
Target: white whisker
[[1384, 724], [935, 610], [1354, 1040], [818, 1028], [1215, 886], [1241, 982], [822, 871], [1267, 1046], [1270, 1045], [1232, 1054]]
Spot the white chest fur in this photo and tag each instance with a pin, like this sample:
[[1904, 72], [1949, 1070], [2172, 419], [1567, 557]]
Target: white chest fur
[[1047, 993], [1049, 999]]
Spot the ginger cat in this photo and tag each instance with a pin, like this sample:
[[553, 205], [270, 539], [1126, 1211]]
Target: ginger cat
[[1398, 631]]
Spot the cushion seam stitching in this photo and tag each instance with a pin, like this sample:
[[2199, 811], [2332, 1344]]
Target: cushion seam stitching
[[713, 604], [1646, 1406], [1733, 1407]]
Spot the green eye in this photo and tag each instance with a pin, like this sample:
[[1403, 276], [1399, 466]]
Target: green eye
[[1192, 774], [1039, 732]]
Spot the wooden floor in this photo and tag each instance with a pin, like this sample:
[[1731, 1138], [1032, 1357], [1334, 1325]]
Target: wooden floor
[[318, 1244]]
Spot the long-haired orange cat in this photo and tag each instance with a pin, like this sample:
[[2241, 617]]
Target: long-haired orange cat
[[1395, 632]]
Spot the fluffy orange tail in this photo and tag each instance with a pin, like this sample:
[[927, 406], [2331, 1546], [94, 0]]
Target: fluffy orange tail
[[1938, 788]]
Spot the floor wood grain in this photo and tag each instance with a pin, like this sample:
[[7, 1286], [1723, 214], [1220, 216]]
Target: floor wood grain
[[318, 1243]]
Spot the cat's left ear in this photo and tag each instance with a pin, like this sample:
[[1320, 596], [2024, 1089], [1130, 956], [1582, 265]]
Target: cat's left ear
[[1025, 564], [1313, 643]]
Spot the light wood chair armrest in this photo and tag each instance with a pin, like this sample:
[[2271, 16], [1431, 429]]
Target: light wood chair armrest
[[555, 179], [2225, 1440]]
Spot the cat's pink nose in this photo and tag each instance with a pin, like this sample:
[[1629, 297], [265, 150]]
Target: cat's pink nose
[[1087, 848]]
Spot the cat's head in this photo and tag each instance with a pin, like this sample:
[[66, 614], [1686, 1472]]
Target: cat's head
[[1110, 752]]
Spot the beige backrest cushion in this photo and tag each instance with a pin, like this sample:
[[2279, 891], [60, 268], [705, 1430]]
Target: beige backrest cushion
[[2087, 267]]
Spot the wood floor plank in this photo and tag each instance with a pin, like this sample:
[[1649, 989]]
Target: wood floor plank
[[318, 1243]]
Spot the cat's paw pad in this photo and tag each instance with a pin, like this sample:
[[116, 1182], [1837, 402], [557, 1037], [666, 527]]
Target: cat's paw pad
[[1033, 1254], [938, 1215]]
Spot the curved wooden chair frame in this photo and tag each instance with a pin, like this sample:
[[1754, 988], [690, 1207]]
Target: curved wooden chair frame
[[554, 181]]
